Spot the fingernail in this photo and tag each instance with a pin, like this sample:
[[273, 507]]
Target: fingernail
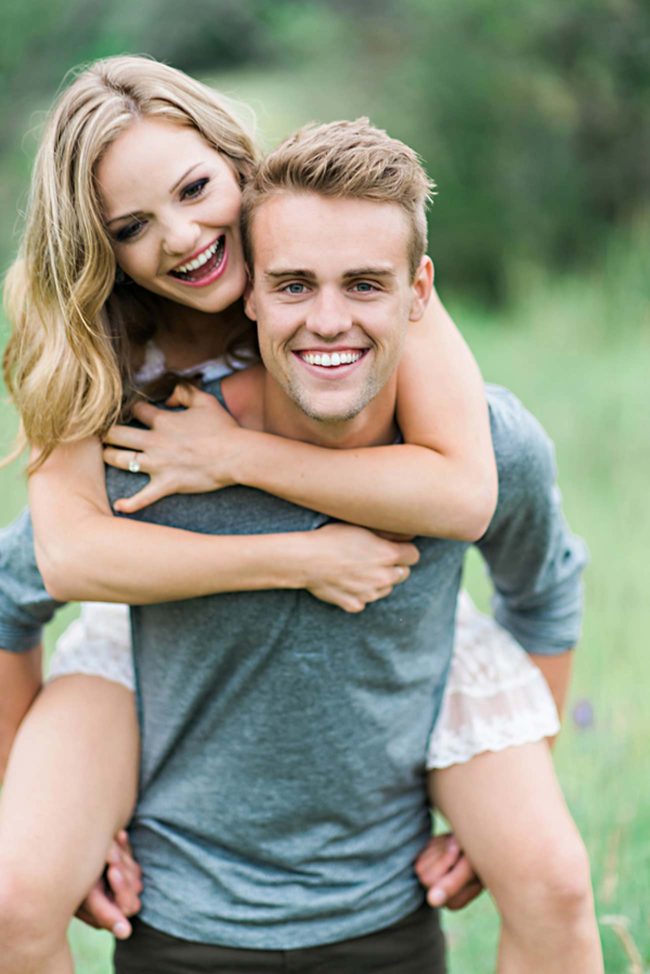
[[122, 930], [452, 845], [436, 897]]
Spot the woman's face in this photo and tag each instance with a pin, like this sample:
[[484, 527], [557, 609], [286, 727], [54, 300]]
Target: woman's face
[[171, 208]]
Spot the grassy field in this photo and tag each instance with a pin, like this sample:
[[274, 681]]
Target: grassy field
[[576, 354], [576, 351]]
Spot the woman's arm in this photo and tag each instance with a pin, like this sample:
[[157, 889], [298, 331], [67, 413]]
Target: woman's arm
[[86, 554], [440, 482], [20, 680]]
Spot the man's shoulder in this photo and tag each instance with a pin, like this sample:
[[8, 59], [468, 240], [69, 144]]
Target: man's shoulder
[[524, 452], [241, 393]]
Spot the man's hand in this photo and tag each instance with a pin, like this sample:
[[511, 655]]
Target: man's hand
[[116, 895], [447, 874]]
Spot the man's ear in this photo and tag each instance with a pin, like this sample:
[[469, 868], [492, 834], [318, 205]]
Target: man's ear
[[421, 288], [249, 296]]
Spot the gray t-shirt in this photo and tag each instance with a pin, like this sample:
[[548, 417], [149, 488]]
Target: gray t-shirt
[[282, 799]]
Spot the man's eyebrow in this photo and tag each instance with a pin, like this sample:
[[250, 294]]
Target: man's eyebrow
[[129, 216], [290, 272], [309, 275], [370, 272]]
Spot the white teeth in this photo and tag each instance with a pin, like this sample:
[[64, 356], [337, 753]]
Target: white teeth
[[328, 360], [193, 265]]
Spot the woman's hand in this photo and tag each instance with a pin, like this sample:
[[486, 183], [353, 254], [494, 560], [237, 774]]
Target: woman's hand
[[353, 566], [186, 451]]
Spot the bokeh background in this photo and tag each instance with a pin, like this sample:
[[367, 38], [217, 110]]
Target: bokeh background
[[534, 119]]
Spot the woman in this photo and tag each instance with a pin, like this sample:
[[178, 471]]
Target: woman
[[100, 196]]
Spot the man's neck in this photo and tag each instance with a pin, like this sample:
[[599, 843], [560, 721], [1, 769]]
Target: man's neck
[[258, 402]]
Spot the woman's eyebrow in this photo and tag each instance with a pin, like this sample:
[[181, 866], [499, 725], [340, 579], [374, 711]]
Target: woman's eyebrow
[[184, 176], [128, 216], [125, 216]]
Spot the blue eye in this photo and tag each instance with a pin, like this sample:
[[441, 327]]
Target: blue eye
[[294, 288], [194, 190], [365, 287]]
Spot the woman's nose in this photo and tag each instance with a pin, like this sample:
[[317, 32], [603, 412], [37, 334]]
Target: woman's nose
[[180, 238]]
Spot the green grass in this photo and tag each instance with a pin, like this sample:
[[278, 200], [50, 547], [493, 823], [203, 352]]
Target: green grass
[[576, 351]]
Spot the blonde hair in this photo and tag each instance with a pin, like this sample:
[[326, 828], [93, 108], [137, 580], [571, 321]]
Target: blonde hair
[[351, 160], [66, 365]]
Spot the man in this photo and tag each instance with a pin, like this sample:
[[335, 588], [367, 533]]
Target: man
[[283, 817], [282, 801]]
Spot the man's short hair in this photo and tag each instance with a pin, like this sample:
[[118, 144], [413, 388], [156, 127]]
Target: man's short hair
[[344, 160]]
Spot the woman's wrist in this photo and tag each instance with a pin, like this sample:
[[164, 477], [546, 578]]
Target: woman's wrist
[[295, 566], [225, 457], [251, 451]]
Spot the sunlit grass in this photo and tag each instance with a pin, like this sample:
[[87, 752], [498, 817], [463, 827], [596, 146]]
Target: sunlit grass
[[579, 360]]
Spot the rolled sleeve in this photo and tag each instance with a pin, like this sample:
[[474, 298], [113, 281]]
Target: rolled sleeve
[[25, 605], [535, 561]]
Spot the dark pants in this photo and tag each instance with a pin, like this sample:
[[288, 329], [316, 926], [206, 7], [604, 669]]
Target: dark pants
[[414, 945]]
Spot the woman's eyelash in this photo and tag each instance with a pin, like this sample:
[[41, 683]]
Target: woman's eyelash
[[129, 231], [194, 189], [191, 191]]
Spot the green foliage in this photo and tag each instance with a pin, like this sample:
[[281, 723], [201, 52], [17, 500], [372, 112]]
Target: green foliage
[[531, 117], [578, 358]]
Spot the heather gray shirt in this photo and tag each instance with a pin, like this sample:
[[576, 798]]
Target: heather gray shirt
[[282, 798]]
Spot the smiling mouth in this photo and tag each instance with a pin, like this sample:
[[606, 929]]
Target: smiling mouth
[[204, 266], [332, 360]]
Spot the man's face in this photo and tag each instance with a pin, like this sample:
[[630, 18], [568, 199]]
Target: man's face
[[332, 296]]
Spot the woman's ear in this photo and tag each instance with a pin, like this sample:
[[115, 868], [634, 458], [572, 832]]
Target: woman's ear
[[421, 288]]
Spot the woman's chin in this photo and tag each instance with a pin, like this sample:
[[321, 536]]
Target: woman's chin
[[211, 297]]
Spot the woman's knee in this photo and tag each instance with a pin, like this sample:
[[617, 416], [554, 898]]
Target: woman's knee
[[32, 925]]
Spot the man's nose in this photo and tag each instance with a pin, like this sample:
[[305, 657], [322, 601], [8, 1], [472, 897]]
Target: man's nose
[[329, 314]]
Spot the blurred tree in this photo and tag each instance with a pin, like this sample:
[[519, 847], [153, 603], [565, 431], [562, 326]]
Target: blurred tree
[[533, 117]]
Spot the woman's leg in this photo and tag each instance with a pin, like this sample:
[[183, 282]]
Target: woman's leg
[[20, 681], [70, 785], [509, 815]]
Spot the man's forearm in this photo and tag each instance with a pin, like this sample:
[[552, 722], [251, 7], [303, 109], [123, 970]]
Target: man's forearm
[[556, 670]]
